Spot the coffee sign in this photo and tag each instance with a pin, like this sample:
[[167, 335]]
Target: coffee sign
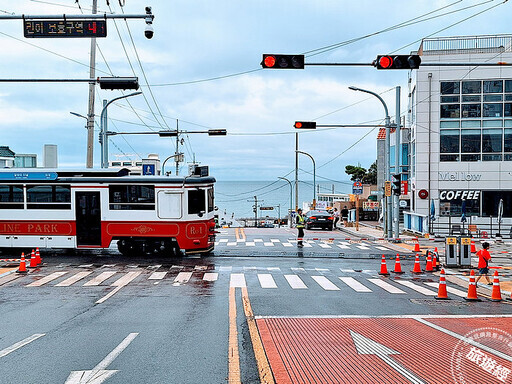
[[455, 195]]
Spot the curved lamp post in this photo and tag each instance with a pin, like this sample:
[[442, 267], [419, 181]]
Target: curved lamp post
[[314, 175], [387, 157]]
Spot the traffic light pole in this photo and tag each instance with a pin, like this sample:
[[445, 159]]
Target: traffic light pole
[[396, 196]]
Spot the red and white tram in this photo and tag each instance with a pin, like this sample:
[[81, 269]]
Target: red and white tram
[[89, 209]]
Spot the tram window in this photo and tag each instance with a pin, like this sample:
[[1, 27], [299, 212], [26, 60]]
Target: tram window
[[196, 201], [132, 197], [49, 197], [211, 202], [11, 197]]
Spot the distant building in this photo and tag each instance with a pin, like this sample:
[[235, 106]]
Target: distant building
[[149, 165], [25, 160], [50, 156], [461, 137], [6, 157]]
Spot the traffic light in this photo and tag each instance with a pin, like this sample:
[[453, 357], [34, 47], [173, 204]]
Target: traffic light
[[305, 124], [282, 61], [398, 62], [118, 82], [397, 184], [217, 132]]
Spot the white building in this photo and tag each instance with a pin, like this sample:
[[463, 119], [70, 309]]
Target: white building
[[461, 136]]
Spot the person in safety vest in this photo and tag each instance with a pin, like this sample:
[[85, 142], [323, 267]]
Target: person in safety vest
[[299, 220]]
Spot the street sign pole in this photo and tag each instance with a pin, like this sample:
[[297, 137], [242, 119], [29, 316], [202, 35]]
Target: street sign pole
[[396, 213]]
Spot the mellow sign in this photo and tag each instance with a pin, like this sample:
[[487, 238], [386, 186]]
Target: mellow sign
[[455, 195], [459, 176]]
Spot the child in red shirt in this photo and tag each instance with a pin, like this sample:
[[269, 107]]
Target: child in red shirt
[[483, 263]]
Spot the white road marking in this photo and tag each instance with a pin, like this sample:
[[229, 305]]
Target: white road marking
[[346, 244], [323, 245], [275, 240], [354, 284], [100, 278], [382, 248], [99, 373], [19, 344], [455, 291], [295, 282], [231, 244], [46, 279], [237, 280], [268, 244], [266, 280], [73, 279], [274, 269], [386, 286], [201, 268], [210, 276], [126, 279], [182, 278], [250, 243], [223, 240], [321, 270], [157, 276], [258, 240], [307, 245], [362, 247], [343, 246], [417, 288], [298, 269], [287, 244], [369, 271], [325, 283]]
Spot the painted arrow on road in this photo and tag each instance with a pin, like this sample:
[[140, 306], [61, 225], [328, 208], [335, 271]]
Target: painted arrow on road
[[99, 373], [366, 346]]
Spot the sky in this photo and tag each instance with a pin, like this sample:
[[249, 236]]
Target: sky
[[201, 70]]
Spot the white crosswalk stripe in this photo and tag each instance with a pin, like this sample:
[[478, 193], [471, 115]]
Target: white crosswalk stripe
[[417, 288], [237, 280], [157, 276], [126, 279], [354, 284], [266, 280], [210, 276], [325, 283], [386, 286], [99, 279], [455, 291], [46, 279], [323, 245], [73, 279], [182, 278], [295, 282]]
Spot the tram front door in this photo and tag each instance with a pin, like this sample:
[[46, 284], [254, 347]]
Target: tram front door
[[88, 218]]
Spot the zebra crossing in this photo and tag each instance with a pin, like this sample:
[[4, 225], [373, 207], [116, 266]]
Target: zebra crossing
[[323, 244], [265, 278]]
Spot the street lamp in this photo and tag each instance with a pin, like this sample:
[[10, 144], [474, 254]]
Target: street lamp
[[387, 158], [314, 175], [291, 194], [103, 128]]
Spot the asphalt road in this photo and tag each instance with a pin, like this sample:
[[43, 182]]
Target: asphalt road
[[167, 320]]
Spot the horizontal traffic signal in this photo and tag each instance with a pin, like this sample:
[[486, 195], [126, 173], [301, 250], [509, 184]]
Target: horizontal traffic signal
[[305, 124], [282, 61], [217, 132], [397, 62], [118, 82]]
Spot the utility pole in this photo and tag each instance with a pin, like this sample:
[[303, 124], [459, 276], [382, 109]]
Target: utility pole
[[90, 114], [396, 196], [177, 148], [296, 171], [255, 211]]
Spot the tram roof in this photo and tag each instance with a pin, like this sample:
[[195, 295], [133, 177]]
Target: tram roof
[[93, 175]]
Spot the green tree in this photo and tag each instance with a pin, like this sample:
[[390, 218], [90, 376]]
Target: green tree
[[359, 173]]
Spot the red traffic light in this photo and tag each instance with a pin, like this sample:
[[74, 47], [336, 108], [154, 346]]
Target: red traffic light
[[305, 124], [269, 61], [278, 61], [385, 62]]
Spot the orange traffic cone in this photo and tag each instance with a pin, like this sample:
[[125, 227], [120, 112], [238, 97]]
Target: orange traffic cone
[[435, 267], [473, 248], [428, 267], [383, 267], [38, 257], [417, 247], [417, 266], [23, 265], [496, 291], [33, 261], [441, 292], [472, 288], [398, 267]]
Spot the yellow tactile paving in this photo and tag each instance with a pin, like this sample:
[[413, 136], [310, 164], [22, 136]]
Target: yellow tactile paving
[[4, 270]]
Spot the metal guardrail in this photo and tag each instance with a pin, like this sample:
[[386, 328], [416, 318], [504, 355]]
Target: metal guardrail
[[463, 44], [489, 230]]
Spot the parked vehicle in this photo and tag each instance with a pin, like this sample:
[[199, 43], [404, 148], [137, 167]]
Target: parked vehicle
[[319, 219]]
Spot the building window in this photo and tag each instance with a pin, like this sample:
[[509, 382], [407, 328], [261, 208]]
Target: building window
[[493, 86], [11, 197], [491, 199], [450, 111], [470, 139], [450, 139], [49, 197], [450, 87], [493, 110], [471, 87], [132, 197], [196, 201], [470, 110]]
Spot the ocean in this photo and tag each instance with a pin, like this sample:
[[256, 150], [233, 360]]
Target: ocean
[[236, 198]]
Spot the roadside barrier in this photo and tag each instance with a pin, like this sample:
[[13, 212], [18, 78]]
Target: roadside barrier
[[472, 288], [33, 261], [442, 294], [398, 267], [428, 267], [383, 267], [38, 257], [417, 266], [496, 290], [23, 266]]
